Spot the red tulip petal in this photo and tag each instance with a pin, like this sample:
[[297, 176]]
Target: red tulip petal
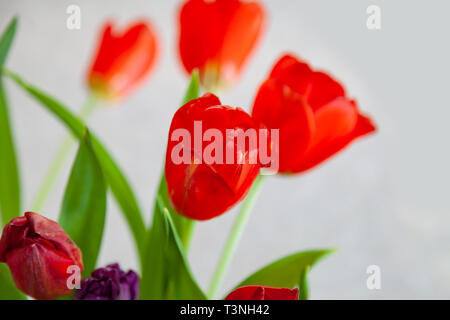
[[12, 236], [318, 87], [52, 231], [242, 34], [278, 107], [263, 293], [217, 37], [102, 61], [323, 151], [123, 59], [334, 120], [323, 90], [202, 30], [39, 271], [138, 48], [204, 194], [291, 72], [364, 126]]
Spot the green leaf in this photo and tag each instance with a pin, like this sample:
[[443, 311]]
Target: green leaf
[[9, 172], [166, 264], [8, 290], [6, 40], [180, 222], [114, 177], [193, 90], [84, 206], [166, 273], [286, 272]]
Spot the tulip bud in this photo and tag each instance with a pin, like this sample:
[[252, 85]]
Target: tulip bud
[[39, 253], [216, 37], [109, 283], [123, 60], [263, 293], [211, 157]]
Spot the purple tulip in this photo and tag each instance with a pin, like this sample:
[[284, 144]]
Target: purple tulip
[[109, 283]]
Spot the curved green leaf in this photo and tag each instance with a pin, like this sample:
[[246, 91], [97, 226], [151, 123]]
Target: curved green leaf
[[9, 172], [166, 273], [7, 39], [84, 206], [286, 272], [178, 220], [111, 171]]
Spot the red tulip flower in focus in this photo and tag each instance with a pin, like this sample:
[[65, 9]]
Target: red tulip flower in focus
[[314, 116], [216, 37], [123, 60], [201, 188], [39, 253], [263, 293]]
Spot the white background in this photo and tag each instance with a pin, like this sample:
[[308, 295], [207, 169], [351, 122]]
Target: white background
[[382, 201]]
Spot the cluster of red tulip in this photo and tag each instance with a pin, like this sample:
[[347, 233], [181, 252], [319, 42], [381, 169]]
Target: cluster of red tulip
[[310, 111]]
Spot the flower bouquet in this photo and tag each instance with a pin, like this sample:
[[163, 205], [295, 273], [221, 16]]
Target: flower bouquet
[[217, 156]]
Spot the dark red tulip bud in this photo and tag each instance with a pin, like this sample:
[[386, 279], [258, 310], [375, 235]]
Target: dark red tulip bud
[[123, 59], [207, 169], [39, 253], [263, 293], [314, 116]]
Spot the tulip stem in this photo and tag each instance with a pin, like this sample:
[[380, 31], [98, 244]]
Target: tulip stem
[[60, 157], [234, 237], [188, 232]]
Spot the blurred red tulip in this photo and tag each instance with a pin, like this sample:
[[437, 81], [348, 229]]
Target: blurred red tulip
[[263, 293], [199, 188], [38, 253], [123, 60], [217, 37], [315, 117]]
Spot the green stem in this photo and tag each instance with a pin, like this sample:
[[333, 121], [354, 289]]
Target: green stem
[[303, 284], [234, 237], [61, 157], [186, 239]]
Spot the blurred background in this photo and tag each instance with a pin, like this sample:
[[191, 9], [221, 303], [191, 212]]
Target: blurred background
[[383, 201]]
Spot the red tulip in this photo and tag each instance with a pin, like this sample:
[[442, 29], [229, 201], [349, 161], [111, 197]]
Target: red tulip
[[203, 183], [217, 37], [315, 117], [123, 59], [38, 253], [263, 293]]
